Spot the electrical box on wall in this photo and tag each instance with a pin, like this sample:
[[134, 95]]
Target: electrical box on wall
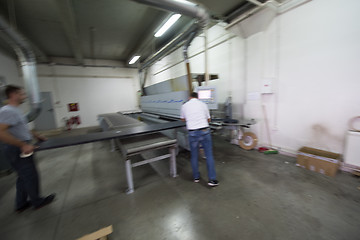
[[267, 86]]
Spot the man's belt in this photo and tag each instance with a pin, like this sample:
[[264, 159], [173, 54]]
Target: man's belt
[[190, 130]]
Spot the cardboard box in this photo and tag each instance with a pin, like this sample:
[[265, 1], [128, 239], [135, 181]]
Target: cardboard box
[[318, 160]]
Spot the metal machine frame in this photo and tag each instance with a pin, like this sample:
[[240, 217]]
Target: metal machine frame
[[145, 144], [137, 145]]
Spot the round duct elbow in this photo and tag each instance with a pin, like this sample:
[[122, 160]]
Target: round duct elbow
[[27, 61]]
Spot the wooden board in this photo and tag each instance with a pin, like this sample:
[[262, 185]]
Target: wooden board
[[100, 234]]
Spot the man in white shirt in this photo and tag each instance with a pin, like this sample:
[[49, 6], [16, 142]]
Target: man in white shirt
[[197, 117]]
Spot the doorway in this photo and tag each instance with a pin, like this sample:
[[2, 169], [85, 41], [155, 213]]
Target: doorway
[[46, 119]]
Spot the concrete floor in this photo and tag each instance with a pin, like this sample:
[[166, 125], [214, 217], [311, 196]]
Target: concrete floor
[[259, 197]]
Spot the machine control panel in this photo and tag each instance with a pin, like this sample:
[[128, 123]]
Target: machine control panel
[[207, 95]]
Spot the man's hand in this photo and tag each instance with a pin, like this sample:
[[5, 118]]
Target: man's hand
[[27, 148], [41, 138]]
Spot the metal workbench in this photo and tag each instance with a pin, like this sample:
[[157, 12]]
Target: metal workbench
[[137, 145]]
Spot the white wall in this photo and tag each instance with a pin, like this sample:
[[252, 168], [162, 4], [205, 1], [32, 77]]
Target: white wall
[[96, 89], [315, 71], [311, 54]]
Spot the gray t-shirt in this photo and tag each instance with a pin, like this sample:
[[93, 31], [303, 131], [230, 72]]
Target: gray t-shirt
[[15, 118]]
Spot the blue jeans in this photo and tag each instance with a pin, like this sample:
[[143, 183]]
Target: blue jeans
[[202, 137], [27, 184]]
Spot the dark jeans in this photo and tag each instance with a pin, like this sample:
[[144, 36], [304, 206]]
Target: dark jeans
[[4, 163], [27, 185], [204, 137]]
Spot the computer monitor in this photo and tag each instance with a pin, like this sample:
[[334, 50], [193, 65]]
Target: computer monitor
[[204, 94], [208, 96]]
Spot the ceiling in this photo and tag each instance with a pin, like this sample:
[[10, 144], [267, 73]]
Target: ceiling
[[100, 29]]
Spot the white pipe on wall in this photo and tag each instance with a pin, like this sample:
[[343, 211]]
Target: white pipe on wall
[[206, 57]]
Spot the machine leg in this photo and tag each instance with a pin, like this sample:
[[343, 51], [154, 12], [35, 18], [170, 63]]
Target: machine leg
[[129, 176], [113, 145], [173, 172]]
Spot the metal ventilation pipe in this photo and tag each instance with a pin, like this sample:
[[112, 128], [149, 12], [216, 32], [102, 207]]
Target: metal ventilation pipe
[[168, 47], [28, 65], [187, 9]]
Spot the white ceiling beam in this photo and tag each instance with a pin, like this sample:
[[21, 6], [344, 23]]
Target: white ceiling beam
[[68, 21]]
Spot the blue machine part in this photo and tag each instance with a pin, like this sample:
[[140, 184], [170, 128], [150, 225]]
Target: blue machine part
[[168, 104]]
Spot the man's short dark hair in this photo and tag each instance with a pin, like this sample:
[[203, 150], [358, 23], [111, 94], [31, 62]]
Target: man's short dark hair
[[10, 89], [194, 95]]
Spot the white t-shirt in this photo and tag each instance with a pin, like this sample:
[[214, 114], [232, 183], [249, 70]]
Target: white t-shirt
[[196, 114]]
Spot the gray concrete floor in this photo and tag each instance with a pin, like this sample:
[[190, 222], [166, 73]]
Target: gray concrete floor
[[259, 197]]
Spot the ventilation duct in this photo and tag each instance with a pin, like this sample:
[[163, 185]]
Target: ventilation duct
[[28, 65], [187, 9], [170, 46]]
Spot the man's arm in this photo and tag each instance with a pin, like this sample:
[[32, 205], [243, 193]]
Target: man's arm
[[207, 112], [7, 138], [38, 136], [182, 115]]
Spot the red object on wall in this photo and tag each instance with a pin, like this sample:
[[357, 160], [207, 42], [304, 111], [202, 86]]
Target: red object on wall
[[76, 120], [72, 121], [73, 107]]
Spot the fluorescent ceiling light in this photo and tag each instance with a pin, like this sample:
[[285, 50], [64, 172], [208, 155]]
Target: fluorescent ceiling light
[[134, 59], [167, 25], [186, 2]]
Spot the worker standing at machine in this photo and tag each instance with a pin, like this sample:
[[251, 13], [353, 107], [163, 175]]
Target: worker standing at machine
[[15, 135], [197, 117]]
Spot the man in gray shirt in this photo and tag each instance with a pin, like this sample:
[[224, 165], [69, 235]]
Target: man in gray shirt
[[15, 135]]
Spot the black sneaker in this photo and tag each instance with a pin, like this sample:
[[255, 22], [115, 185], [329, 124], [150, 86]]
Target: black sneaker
[[196, 180], [213, 183], [23, 208], [47, 200]]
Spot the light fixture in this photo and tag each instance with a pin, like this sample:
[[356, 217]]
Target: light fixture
[[167, 25], [134, 59]]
